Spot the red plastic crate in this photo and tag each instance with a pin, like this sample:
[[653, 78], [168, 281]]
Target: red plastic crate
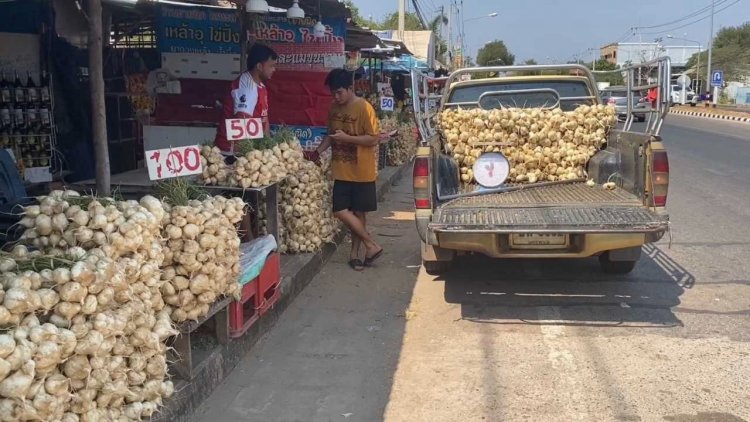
[[245, 312], [269, 287]]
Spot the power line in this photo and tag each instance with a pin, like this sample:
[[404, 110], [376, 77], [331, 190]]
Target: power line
[[693, 22], [691, 15]]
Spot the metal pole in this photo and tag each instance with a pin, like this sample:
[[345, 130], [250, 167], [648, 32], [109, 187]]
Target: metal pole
[[401, 18], [710, 47], [450, 35], [697, 72]]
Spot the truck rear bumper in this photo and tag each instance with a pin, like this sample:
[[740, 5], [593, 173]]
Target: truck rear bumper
[[498, 245]]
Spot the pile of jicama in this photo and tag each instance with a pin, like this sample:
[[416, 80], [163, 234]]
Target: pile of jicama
[[202, 255], [260, 162], [85, 312], [541, 145], [305, 203], [306, 212], [403, 146], [88, 313]]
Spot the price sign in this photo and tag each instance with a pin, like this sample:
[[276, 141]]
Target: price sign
[[386, 103], [238, 129], [173, 162]]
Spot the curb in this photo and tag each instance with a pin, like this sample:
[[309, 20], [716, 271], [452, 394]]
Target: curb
[[297, 271], [711, 116]]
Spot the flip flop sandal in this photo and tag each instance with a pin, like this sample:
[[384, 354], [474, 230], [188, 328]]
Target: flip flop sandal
[[357, 264], [369, 260]]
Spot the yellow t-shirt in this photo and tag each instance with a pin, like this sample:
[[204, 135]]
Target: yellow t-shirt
[[354, 163]]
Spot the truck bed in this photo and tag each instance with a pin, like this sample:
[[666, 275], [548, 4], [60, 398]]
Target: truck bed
[[568, 208]]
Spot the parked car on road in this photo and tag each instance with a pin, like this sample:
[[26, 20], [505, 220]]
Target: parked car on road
[[617, 96], [691, 98]]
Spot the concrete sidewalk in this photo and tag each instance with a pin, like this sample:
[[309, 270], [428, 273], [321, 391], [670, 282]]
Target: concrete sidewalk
[[333, 353], [296, 272]]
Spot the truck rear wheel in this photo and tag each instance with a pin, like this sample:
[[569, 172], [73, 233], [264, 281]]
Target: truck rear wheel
[[615, 267], [436, 267]]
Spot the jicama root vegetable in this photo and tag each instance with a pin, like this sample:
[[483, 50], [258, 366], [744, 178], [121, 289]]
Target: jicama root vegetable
[[306, 214], [201, 255], [215, 170], [88, 310], [541, 145]]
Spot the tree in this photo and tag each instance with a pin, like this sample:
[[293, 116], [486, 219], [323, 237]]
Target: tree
[[731, 53], [495, 53], [530, 62], [411, 22], [602, 65], [359, 19], [98, 107]]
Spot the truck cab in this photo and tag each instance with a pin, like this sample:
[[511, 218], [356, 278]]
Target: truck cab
[[566, 219]]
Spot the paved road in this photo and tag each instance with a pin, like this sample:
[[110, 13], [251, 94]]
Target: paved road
[[527, 340]]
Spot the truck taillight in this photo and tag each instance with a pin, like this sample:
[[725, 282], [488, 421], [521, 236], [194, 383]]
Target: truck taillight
[[421, 182], [660, 177]]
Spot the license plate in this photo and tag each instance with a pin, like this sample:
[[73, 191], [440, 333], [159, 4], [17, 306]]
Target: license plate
[[538, 241]]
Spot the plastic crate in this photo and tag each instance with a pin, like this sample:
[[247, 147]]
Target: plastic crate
[[269, 283], [244, 313]]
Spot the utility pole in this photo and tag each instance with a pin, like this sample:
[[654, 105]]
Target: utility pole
[[450, 35], [710, 47], [401, 18], [96, 85]]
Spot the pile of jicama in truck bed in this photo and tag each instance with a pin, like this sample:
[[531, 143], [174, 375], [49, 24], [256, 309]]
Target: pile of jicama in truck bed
[[541, 145], [86, 315]]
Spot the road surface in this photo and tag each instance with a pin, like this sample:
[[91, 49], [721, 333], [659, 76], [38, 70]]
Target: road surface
[[527, 340]]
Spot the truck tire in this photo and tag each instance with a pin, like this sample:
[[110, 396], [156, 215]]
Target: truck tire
[[615, 267], [436, 267]]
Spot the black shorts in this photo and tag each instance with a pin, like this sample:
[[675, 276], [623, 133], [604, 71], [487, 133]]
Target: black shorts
[[354, 196]]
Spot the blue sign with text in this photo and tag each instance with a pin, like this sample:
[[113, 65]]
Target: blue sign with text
[[309, 136], [189, 29]]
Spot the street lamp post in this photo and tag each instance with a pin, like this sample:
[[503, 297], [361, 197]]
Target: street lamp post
[[489, 15]]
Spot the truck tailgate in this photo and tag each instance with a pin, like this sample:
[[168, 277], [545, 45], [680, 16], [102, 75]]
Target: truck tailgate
[[571, 208]]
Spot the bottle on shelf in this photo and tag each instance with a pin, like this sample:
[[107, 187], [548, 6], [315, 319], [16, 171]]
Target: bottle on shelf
[[44, 88], [18, 118], [6, 119], [32, 116], [5, 95], [32, 95], [45, 121], [18, 91], [5, 142]]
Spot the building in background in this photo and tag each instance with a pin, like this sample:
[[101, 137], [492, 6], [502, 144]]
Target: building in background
[[636, 52]]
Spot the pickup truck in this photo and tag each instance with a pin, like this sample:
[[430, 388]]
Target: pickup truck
[[543, 220]]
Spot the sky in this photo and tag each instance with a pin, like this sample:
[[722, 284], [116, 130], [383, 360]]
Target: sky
[[555, 31]]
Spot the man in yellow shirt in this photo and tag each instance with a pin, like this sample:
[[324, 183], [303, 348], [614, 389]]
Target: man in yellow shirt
[[353, 137]]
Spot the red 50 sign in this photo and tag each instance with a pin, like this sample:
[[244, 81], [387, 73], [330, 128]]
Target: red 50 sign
[[250, 128], [173, 162]]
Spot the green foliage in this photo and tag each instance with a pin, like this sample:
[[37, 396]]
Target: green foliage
[[359, 19], [731, 53], [614, 78], [495, 53], [411, 22]]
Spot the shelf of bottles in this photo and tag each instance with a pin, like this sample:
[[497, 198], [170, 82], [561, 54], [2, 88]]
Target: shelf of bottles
[[27, 121]]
